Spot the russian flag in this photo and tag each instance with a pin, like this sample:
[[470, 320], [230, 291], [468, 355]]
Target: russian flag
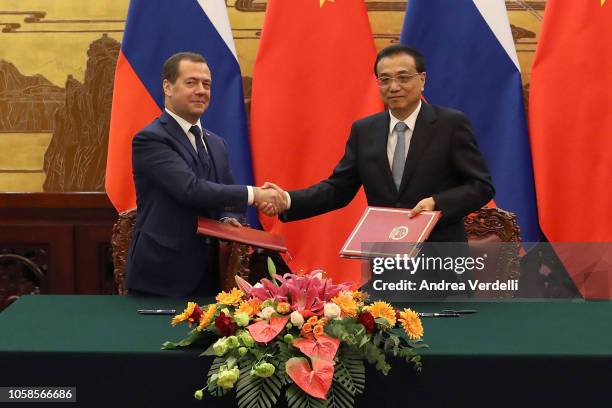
[[154, 31], [472, 66]]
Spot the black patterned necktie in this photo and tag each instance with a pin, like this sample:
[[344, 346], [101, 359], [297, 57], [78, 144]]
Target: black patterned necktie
[[202, 154]]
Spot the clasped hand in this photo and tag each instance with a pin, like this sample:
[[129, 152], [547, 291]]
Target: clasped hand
[[270, 199]]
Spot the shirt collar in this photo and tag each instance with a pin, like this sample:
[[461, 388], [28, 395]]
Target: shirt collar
[[409, 121], [185, 125]]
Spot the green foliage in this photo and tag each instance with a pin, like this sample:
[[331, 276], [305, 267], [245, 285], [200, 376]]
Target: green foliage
[[348, 331], [408, 354], [350, 370], [285, 352], [187, 341], [213, 375], [375, 356], [257, 392], [296, 398]]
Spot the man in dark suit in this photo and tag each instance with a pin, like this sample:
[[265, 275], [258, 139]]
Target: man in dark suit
[[181, 171], [414, 155]]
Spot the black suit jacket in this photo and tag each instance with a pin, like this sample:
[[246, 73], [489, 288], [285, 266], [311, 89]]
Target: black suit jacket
[[173, 188], [443, 162]]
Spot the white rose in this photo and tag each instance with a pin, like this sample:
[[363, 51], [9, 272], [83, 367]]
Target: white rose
[[267, 312], [331, 310], [258, 285], [319, 276], [297, 319]]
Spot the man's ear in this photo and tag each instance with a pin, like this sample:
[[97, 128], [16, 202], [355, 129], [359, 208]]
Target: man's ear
[[167, 86]]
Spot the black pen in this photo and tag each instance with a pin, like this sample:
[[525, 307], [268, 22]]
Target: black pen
[[157, 311], [426, 314], [466, 311]]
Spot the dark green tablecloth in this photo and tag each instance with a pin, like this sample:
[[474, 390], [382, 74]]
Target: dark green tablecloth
[[524, 353]]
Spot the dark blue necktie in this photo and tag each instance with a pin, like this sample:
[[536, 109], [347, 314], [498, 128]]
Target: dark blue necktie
[[202, 154]]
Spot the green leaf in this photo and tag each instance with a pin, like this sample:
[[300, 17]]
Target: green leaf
[[285, 352], [257, 392], [192, 336], [168, 345], [350, 370], [339, 396], [213, 374], [272, 270], [208, 352], [296, 398]]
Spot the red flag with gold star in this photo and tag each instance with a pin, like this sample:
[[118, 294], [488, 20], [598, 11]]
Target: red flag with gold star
[[312, 78], [571, 125]]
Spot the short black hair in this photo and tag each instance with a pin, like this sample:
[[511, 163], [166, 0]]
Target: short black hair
[[419, 59], [170, 70]]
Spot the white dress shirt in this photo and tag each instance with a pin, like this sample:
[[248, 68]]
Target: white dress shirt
[[392, 139]]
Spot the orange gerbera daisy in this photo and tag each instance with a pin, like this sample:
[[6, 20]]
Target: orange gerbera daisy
[[359, 296], [207, 317], [411, 322], [346, 303], [250, 307], [191, 314], [384, 310], [231, 298]]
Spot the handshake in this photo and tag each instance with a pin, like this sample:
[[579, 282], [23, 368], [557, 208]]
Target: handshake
[[270, 199]]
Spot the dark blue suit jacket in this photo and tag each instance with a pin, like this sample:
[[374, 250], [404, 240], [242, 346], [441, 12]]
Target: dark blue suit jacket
[[173, 188]]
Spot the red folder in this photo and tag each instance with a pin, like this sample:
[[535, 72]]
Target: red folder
[[243, 235], [385, 231]]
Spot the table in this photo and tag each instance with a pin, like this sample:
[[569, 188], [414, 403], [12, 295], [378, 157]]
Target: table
[[557, 353]]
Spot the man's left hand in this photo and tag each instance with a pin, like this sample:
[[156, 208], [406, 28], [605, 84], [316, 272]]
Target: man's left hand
[[426, 204], [232, 221]]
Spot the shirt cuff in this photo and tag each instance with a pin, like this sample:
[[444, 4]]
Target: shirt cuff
[[250, 195], [288, 200]]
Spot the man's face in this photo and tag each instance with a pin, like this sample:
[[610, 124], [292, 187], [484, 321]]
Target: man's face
[[401, 98], [189, 95]]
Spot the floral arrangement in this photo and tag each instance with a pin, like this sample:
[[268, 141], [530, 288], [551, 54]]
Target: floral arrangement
[[303, 334]]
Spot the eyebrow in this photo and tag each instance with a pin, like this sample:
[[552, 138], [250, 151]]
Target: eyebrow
[[196, 79], [404, 71]]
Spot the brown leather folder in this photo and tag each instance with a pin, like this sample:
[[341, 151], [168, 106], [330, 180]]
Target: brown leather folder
[[243, 235], [385, 231]]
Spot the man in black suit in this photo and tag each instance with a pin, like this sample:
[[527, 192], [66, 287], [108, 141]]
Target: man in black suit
[[181, 171], [414, 155]]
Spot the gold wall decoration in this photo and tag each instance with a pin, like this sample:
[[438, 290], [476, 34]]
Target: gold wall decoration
[[57, 63]]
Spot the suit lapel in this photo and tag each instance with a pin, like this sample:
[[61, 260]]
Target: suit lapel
[[177, 133], [212, 153], [380, 136], [421, 137]]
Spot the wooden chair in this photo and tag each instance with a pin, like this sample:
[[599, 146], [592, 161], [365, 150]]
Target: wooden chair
[[18, 276], [234, 259], [487, 229]]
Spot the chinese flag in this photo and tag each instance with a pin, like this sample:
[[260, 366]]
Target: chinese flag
[[312, 78], [570, 121], [571, 133]]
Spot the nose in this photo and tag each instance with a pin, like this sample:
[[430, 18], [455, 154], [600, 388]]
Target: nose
[[394, 84], [200, 89]]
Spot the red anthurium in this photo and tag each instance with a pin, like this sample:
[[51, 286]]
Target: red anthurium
[[315, 381], [265, 331], [323, 347]]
